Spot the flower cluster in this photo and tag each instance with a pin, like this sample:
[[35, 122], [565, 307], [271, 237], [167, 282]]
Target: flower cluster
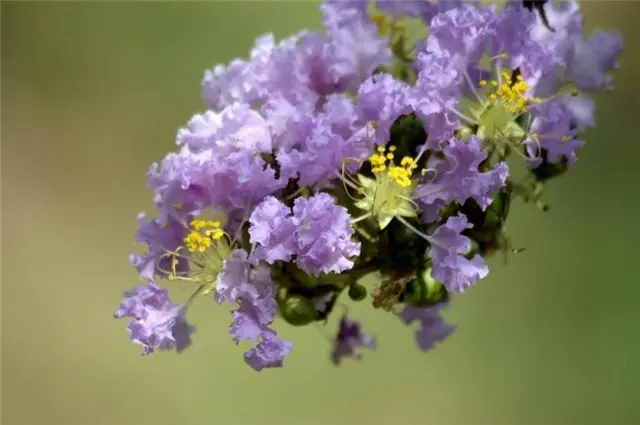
[[332, 155]]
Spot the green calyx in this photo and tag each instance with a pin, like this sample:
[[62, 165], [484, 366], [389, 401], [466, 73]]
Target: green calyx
[[297, 310], [424, 291], [357, 292]]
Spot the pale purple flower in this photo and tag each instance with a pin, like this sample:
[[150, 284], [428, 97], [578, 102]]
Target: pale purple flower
[[324, 243], [587, 63], [553, 134], [457, 178], [448, 247], [237, 127], [462, 31], [340, 114], [233, 277], [421, 9], [349, 340], [290, 122], [353, 48], [254, 80], [272, 231], [269, 353], [160, 237], [254, 294], [156, 323], [582, 110], [436, 93], [382, 99], [433, 329]]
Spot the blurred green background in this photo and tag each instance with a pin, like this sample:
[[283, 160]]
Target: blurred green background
[[92, 93]]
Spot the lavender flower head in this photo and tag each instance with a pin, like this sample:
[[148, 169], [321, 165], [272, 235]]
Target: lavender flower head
[[332, 155]]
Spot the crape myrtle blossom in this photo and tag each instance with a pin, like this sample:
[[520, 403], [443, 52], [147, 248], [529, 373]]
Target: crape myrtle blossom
[[332, 155]]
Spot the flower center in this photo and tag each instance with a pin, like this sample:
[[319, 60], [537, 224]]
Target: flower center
[[205, 249], [497, 105], [388, 194]]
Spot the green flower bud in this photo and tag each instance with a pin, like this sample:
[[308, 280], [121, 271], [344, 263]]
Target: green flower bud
[[357, 292], [424, 291], [297, 310]]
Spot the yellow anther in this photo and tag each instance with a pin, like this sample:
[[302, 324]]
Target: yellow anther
[[198, 224], [178, 205], [534, 136], [196, 242], [381, 149], [407, 161], [483, 83], [392, 148], [493, 97], [389, 156], [537, 100], [565, 138]]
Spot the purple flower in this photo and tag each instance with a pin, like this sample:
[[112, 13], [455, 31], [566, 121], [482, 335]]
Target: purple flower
[[551, 131], [159, 237], [593, 60], [582, 110], [588, 63], [318, 234], [233, 277], [254, 294], [382, 99], [156, 323], [319, 157], [254, 80], [340, 115], [240, 179], [421, 9], [353, 48], [290, 123], [272, 231], [179, 184], [462, 31], [269, 353], [436, 94], [536, 62], [433, 329], [457, 178], [323, 235], [349, 340], [237, 127], [340, 13], [448, 247]]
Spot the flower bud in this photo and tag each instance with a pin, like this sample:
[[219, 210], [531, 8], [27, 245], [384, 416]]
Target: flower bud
[[424, 291], [298, 310], [357, 292]]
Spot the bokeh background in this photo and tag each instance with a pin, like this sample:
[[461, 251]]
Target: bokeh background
[[92, 93]]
